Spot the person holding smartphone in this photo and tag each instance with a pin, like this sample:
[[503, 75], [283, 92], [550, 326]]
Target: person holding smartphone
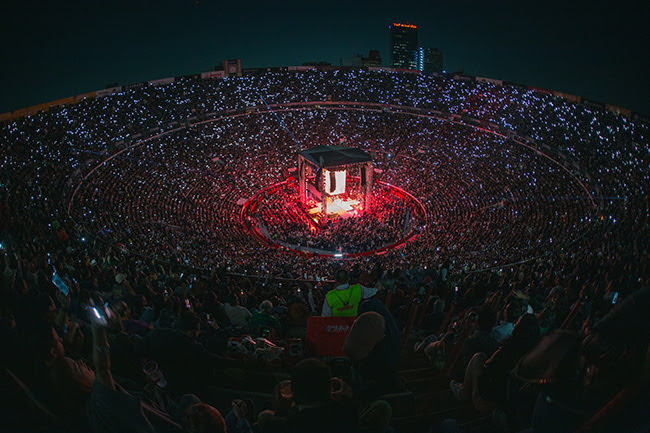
[[108, 407], [64, 384]]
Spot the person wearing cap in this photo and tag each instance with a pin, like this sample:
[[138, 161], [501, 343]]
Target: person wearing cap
[[344, 300]]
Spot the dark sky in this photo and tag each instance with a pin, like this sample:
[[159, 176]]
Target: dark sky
[[53, 49]]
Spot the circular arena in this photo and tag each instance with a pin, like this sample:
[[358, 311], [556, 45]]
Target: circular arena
[[503, 175], [489, 199], [156, 230]]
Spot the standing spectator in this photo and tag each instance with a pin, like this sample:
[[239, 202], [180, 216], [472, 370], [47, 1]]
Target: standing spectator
[[345, 298]]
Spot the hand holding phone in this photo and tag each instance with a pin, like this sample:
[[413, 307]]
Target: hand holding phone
[[59, 283], [99, 313]]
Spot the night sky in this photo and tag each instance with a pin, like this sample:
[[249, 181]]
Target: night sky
[[54, 49]]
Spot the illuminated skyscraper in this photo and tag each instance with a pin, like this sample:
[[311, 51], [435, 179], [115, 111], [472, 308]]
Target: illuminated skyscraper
[[429, 59], [403, 46]]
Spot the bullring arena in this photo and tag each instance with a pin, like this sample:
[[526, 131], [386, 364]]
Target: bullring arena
[[489, 199], [504, 174], [492, 202]]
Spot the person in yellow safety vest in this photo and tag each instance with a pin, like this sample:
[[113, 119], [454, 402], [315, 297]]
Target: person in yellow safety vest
[[344, 300]]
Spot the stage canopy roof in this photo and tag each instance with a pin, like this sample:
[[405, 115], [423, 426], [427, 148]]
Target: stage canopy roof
[[334, 156]]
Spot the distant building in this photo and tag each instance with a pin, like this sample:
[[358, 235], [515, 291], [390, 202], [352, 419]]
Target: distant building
[[356, 61], [429, 60], [373, 59], [232, 67], [403, 46], [317, 63]]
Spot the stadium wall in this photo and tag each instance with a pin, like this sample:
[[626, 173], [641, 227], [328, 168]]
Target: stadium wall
[[14, 115], [44, 107]]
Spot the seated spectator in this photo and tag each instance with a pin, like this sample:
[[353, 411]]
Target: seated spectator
[[121, 288], [212, 305], [238, 419], [203, 418], [184, 361], [552, 370], [505, 327], [110, 408], [616, 397], [239, 316], [481, 341], [165, 320], [64, 384], [297, 314], [263, 321], [486, 379], [373, 356], [130, 325], [432, 322], [321, 404], [393, 338]]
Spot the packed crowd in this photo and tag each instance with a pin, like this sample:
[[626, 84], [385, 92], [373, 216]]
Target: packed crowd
[[285, 222], [481, 193], [183, 318]]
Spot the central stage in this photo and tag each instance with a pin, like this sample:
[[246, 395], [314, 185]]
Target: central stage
[[324, 179], [341, 207], [275, 218]]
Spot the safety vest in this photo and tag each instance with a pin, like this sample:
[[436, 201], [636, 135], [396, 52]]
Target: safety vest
[[344, 303]]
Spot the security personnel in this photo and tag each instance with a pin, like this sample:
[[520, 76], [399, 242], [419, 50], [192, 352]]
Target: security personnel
[[344, 300]]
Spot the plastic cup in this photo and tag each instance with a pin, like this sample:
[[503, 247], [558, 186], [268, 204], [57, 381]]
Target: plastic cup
[[154, 374]]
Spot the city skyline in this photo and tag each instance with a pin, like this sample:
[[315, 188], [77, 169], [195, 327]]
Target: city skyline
[[591, 49]]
